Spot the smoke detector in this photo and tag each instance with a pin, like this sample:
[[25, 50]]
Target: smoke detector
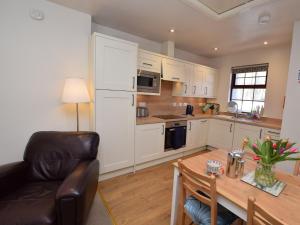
[[37, 14]]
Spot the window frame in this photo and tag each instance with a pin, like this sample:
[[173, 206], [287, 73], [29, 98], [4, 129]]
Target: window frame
[[259, 86]]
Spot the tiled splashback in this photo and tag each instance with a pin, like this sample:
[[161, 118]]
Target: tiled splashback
[[164, 104]]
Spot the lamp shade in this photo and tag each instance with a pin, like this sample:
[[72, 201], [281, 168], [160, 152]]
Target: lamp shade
[[75, 91]]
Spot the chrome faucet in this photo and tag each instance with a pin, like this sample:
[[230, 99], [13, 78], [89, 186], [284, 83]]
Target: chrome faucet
[[233, 107]]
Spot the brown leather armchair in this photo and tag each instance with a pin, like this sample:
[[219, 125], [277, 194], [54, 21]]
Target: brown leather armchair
[[55, 184]]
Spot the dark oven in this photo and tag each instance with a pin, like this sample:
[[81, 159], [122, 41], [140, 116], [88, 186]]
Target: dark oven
[[175, 135]]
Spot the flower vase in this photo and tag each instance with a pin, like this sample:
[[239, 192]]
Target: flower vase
[[264, 174]]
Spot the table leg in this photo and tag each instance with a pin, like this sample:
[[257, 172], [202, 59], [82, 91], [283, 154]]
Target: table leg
[[175, 196]]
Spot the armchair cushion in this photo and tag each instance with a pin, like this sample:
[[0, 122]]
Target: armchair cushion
[[54, 155], [31, 204], [12, 176]]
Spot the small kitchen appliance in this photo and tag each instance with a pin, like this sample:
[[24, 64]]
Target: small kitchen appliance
[[148, 82], [189, 110], [142, 112]]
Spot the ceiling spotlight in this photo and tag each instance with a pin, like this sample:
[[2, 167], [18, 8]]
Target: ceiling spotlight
[[172, 30], [216, 49], [264, 18], [266, 43]]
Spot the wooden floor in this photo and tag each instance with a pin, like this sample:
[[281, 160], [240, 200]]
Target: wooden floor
[[143, 198]]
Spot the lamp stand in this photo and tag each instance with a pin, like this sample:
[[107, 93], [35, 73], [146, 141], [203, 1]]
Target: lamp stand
[[77, 117]]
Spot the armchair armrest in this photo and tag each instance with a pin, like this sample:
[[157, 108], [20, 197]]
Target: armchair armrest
[[76, 194], [12, 175]]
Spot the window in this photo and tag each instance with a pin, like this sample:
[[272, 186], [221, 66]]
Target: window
[[248, 86]]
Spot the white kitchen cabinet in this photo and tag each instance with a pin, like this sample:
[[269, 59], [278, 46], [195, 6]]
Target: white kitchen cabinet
[[197, 81], [149, 142], [242, 131], [209, 83], [220, 134], [149, 61], [185, 89], [114, 63], [197, 132], [173, 70], [115, 122]]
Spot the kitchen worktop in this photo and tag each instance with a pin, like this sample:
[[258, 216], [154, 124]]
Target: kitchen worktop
[[264, 122]]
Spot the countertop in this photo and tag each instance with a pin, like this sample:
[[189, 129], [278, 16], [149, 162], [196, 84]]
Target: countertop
[[264, 122]]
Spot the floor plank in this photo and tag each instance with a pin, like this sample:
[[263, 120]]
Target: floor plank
[[143, 198]]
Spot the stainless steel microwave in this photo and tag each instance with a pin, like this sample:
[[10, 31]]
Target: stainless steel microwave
[[148, 82]]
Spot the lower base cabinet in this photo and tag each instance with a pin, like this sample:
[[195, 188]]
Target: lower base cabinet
[[221, 134], [242, 131], [149, 142], [197, 132]]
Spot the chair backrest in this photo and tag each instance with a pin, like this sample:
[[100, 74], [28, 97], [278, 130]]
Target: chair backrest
[[297, 169], [195, 184], [258, 216], [54, 155]]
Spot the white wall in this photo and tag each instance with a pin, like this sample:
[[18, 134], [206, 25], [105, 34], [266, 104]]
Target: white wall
[[151, 45], [35, 58], [290, 123], [278, 59]]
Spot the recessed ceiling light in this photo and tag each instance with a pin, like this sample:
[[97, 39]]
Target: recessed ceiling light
[[172, 30], [266, 43], [216, 49]]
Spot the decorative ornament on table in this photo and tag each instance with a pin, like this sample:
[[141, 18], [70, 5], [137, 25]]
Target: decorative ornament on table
[[267, 154]]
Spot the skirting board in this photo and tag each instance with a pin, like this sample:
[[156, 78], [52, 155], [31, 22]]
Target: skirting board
[[132, 169]]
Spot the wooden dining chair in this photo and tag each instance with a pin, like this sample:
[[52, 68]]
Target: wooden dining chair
[[199, 199], [256, 215], [297, 169]]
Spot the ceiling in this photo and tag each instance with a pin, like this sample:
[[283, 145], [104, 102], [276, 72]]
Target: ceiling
[[196, 31]]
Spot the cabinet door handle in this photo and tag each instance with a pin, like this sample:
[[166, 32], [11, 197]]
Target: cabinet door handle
[[195, 89], [260, 133], [163, 130], [133, 83], [272, 132], [230, 128], [132, 99], [147, 64], [185, 88], [190, 125], [203, 121], [175, 78]]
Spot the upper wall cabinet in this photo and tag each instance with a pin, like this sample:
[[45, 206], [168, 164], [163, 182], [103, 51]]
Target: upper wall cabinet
[[209, 82], [185, 89], [149, 61], [173, 70], [200, 82], [115, 63]]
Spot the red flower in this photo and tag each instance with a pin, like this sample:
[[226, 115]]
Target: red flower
[[254, 146], [274, 145], [256, 158]]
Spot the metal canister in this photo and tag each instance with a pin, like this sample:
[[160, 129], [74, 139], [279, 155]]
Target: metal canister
[[240, 168], [232, 164]]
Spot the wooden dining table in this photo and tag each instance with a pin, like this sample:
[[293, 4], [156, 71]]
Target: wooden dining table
[[232, 193]]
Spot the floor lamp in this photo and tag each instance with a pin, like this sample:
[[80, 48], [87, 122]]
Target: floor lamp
[[75, 91]]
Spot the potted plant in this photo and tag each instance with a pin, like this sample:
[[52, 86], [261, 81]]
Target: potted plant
[[267, 154]]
